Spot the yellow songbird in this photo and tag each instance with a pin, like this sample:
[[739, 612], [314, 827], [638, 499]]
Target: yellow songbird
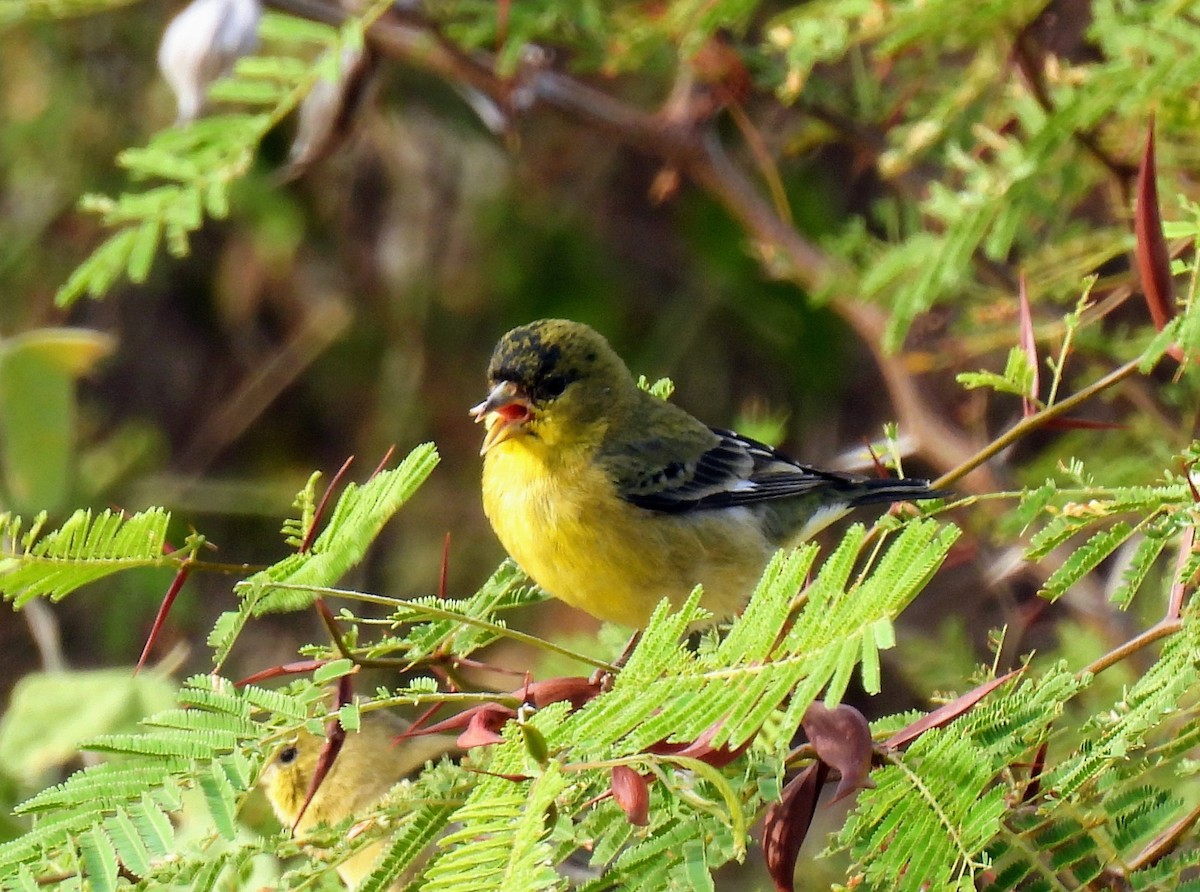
[[369, 764], [611, 499]]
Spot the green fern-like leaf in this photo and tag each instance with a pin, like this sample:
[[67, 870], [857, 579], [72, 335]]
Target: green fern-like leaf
[[937, 810], [505, 823], [117, 816], [427, 823], [667, 692], [202, 161], [651, 862], [506, 589], [1138, 813], [1054, 534], [1067, 845], [84, 549], [295, 528], [103, 782], [354, 523], [99, 860], [930, 816], [1177, 871], [1017, 377], [203, 744], [1085, 559], [1140, 564], [132, 849], [356, 520], [1157, 693], [221, 798]]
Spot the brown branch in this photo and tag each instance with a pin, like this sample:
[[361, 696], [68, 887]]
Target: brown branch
[[1159, 630], [695, 151], [1179, 586], [1163, 844], [789, 255], [1033, 422]]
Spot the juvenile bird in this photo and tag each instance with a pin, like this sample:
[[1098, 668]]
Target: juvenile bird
[[611, 499], [367, 767]]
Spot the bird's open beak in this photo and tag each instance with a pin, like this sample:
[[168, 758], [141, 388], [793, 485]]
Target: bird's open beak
[[506, 411]]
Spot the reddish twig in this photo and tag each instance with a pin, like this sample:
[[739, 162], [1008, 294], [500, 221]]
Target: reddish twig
[[311, 533], [1179, 586], [164, 608], [299, 667], [1029, 345], [1161, 629], [383, 462], [445, 567]]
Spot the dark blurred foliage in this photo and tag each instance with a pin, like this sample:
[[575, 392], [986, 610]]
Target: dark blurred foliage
[[356, 308], [353, 308]]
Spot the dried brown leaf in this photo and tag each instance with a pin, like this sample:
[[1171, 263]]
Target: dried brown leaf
[[330, 111], [575, 689], [479, 725], [701, 748], [842, 739], [1153, 259], [948, 712], [786, 824]]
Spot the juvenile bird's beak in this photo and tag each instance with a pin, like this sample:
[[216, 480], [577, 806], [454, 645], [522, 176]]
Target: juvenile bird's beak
[[505, 412]]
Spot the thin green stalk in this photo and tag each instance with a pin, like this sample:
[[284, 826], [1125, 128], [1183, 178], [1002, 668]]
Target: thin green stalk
[[439, 613], [1031, 423]]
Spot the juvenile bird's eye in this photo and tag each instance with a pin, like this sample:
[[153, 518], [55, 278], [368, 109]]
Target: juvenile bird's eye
[[288, 755]]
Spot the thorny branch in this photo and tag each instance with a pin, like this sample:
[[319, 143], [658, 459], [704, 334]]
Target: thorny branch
[[695, 151], [693, 148]]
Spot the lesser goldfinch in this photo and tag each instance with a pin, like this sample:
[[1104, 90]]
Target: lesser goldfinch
[[611, 499], [368, 766]]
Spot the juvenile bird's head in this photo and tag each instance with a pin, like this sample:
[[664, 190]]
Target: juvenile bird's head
[[369, 764], [553, 380]]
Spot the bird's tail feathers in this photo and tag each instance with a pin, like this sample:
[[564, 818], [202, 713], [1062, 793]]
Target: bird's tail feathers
[[871, 492]]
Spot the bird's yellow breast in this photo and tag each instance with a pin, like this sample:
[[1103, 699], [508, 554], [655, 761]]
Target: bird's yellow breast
[[564, 523]]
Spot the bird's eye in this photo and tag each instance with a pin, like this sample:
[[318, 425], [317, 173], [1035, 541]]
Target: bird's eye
[[288, 755], [553, 387]]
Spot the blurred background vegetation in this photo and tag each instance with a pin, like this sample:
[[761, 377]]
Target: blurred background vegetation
[[934, 152], [356, 308]]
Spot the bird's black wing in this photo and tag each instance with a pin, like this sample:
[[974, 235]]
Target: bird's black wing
[[732, 470]]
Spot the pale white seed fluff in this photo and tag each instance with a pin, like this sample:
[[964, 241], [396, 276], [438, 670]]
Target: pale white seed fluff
[[202, 43], [322, 108]]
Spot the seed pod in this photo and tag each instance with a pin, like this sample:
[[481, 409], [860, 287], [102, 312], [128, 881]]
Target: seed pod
[[201, 44], [632, 793]]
